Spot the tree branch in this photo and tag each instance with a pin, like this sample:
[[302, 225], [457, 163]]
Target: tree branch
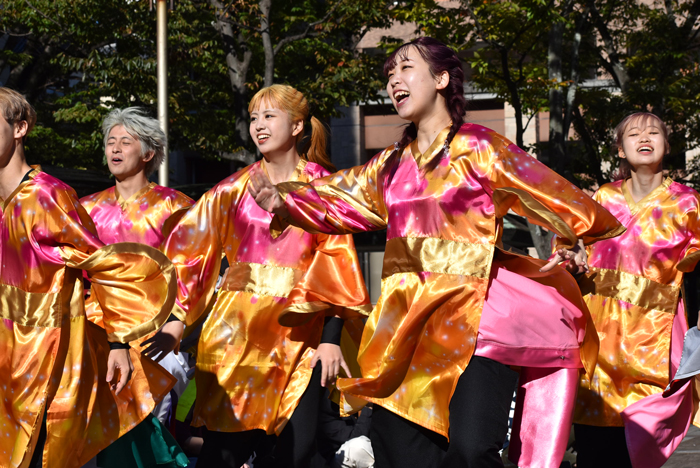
[[480, 29], [306, 33], [16, 34], [615, 66], [689, 23], [45, 16]]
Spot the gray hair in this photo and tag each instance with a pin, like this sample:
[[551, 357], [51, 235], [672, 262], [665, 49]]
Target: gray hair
[[142, 127]]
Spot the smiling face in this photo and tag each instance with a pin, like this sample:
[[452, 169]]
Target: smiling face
[[272, 130], [413, 89], [124, 154], [643, 144]]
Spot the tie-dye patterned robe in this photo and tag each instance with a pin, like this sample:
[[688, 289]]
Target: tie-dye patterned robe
[[632, 291], [144, 218], [443, 227], [51, 358], [257, 342]]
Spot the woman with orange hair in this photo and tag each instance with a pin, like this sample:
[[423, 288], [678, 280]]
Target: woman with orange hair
[[282, 305], [456, 311]]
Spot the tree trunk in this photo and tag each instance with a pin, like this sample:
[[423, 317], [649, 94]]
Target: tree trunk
[[265, 9], [575, 75], [556, 98], [237, 65], [542, 239], [612, 64], [514, 99]]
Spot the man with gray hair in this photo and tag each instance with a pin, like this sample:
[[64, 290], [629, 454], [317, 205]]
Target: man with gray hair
[[136, 210], [66, 383]]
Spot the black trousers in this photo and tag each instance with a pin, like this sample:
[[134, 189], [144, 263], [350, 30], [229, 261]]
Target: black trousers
[[478, 425], [601, 447], [38, 456], [294, 447]]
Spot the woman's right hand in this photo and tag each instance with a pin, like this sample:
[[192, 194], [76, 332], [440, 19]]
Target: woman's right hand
[[266, 194], [576, 259]]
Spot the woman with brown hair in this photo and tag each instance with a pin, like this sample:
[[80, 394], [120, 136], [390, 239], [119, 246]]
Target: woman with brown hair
[[632, 290], [441, 193]]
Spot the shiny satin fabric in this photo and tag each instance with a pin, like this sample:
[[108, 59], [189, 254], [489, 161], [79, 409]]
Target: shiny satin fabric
[[51, 358], [535, 319], [140, 219], [252, 368], [632, 292], [656, 425], [543, 416], [539, 323], [442, 229]]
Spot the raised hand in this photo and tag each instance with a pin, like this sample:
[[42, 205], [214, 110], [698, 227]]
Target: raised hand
[[265, 193]]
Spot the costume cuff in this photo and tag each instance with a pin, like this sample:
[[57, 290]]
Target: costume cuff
[[118, 345], [332, 330]]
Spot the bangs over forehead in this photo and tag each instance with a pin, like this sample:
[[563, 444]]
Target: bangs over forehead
[[264, 98], [643, 120], [401, 55], [640, 121]]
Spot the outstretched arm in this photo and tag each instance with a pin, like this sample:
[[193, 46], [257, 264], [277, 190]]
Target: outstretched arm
[[521, 183], [346, 202]]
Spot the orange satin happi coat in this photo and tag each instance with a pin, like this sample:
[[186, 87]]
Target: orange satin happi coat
[[257, 342], [145, 218], [443, 226], [632, 291], [52, 360]]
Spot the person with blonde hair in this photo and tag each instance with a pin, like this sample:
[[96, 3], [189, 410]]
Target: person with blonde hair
[[272, 339], [65, 382], [456, 311], [626, 415]]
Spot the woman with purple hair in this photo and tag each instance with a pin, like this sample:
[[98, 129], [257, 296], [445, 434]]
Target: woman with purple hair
[[435, 366]]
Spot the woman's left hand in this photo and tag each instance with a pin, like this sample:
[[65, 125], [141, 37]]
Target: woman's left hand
[[331, 361]]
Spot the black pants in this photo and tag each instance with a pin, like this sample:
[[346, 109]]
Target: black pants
[[294, 447], [478, 425], [38, 456], [601, 447]]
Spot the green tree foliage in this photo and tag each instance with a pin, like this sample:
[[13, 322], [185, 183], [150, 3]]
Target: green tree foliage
[[651, 54], [589, 63], [74, 59]]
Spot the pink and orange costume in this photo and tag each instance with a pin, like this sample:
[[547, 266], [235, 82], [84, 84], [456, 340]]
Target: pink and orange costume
[[52, 360], [144, 218], [257, 342], [444, 228], [632, 291]]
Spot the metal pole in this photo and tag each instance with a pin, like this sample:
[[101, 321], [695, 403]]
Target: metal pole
[[162, 58]]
